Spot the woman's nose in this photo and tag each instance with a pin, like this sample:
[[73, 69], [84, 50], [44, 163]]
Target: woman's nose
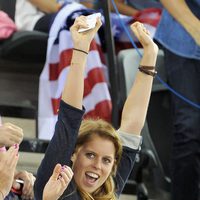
[[97, 163]]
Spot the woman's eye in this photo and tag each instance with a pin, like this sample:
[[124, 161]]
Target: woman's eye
[[90, 155], [106, 160]]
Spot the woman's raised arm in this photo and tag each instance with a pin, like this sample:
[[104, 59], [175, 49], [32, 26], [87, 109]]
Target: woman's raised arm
[[73, 89], [135, 107]]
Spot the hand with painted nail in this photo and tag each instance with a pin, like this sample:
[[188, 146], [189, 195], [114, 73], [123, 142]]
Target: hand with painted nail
[[58, 182], [29, 179], [8, 162], [10, 134]]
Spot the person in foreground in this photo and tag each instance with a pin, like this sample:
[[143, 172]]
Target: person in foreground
[[101, 157]]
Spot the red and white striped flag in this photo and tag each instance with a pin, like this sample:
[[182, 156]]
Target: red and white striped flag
[[150, 17], [96, 100]]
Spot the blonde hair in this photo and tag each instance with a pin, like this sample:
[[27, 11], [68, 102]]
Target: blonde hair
[[103, 129]]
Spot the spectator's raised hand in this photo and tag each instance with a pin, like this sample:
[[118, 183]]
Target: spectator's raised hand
[[29, 179], [8, 162], [82, 40], [10, 135], [143, 35], [58, 182]]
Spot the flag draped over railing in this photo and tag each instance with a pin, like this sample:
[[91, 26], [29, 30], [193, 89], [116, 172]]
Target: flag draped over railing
[[96, 100]]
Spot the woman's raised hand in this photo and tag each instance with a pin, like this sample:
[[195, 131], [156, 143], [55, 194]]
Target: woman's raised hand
[[58, 182], [82, 40], [143, 35]]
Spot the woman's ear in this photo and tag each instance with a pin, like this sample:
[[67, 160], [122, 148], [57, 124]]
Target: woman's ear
[[73, 157]]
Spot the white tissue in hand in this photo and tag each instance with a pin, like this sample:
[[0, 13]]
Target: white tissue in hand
[[91, 21]]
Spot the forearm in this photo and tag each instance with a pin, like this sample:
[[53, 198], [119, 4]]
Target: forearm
[[135, 108], [47, 6], [74, 86], [182, 13], [123, 8]]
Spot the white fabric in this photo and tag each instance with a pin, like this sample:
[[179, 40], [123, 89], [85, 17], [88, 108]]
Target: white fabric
[[130, 140], [47, 119], [26, 15]]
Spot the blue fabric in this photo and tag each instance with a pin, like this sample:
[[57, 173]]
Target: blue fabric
[[142, 4], [174, 37], [61, 148], [61, 145], [12, 196]]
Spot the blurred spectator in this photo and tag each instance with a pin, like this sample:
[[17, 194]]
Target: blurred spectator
[[131, 7], [38, 14], [142, 4], [179, 34], [121, 6], [35, 14], [12, 135]]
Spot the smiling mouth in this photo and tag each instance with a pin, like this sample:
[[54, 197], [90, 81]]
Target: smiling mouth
[[91, 177]]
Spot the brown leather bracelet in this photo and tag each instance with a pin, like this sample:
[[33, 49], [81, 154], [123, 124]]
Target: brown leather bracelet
[[147, 70], [147, 67], [80, 50]]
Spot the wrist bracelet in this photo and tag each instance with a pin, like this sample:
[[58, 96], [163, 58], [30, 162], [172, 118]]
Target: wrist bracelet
[[2, 194], [80, 51], [147, 70], [147, 67]]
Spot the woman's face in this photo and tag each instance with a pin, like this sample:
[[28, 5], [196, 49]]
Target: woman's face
[[93, 163]]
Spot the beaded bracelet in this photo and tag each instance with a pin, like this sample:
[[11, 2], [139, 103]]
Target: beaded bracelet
[[147, 70], [80, 51]]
